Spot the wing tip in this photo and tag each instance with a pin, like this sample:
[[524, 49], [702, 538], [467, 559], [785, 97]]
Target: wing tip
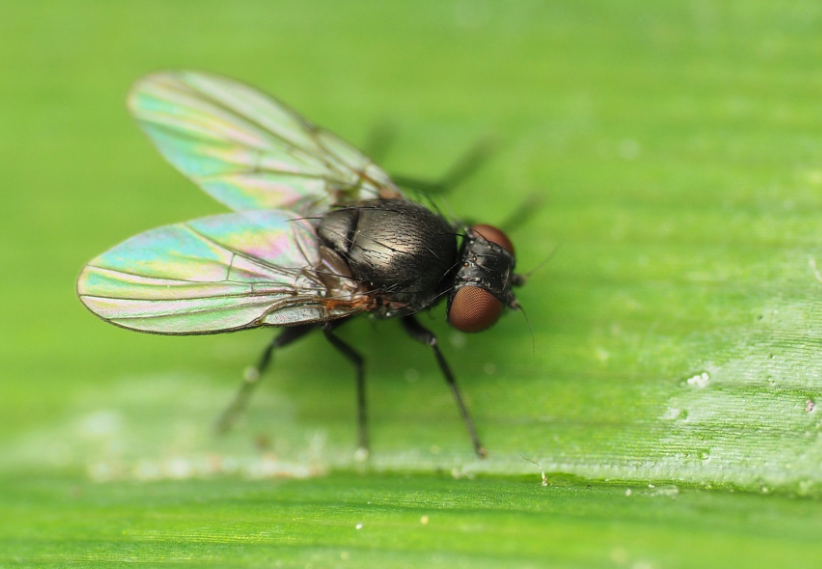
[[139, 87], [162, 77]]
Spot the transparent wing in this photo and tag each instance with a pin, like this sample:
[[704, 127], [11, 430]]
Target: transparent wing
[[215, 274], [248, 150]]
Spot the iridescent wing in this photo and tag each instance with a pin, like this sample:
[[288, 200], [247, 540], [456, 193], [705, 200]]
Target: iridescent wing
[[217, 274], [248, 150]]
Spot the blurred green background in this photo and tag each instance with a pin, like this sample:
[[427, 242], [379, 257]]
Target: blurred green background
[[669, 391]]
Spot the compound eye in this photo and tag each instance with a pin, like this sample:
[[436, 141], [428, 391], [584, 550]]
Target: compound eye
[[474, 309], [494, 235]]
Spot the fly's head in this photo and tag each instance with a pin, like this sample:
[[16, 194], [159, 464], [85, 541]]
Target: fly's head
[[483, 281]]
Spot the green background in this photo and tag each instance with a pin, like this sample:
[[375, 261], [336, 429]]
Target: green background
[[668, 384]]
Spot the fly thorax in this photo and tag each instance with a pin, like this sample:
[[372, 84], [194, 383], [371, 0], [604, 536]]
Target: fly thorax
[[394, 246]]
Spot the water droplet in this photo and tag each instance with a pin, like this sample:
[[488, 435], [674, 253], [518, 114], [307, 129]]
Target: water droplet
[[670, 414], [700, 380]]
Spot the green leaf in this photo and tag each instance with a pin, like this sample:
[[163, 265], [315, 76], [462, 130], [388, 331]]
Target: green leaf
[[672, 336], [347, 520]]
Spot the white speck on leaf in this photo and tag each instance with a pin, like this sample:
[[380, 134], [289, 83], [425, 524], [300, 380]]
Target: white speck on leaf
[[701, 380]]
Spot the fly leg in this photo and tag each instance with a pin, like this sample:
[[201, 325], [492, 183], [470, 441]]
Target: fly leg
[[253, 375], [379, 141], [522, 214], [425, 336], [464, 167], [359, 365]]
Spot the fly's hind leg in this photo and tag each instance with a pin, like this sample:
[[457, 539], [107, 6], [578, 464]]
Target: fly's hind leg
[[253, 375], [464, 167], [425, 336], [359, 365]]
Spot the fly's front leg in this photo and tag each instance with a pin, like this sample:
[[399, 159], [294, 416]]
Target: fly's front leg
[[359, 365], [425, 336], [253, 375]]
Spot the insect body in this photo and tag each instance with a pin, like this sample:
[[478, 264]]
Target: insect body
[[319, 234]]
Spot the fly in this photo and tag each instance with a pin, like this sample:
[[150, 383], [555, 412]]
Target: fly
[[318, 235]]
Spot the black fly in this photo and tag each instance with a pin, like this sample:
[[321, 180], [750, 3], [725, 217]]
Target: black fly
[[319, 234]]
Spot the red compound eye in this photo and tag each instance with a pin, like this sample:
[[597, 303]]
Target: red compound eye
[[474, 309], [494, 235]]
